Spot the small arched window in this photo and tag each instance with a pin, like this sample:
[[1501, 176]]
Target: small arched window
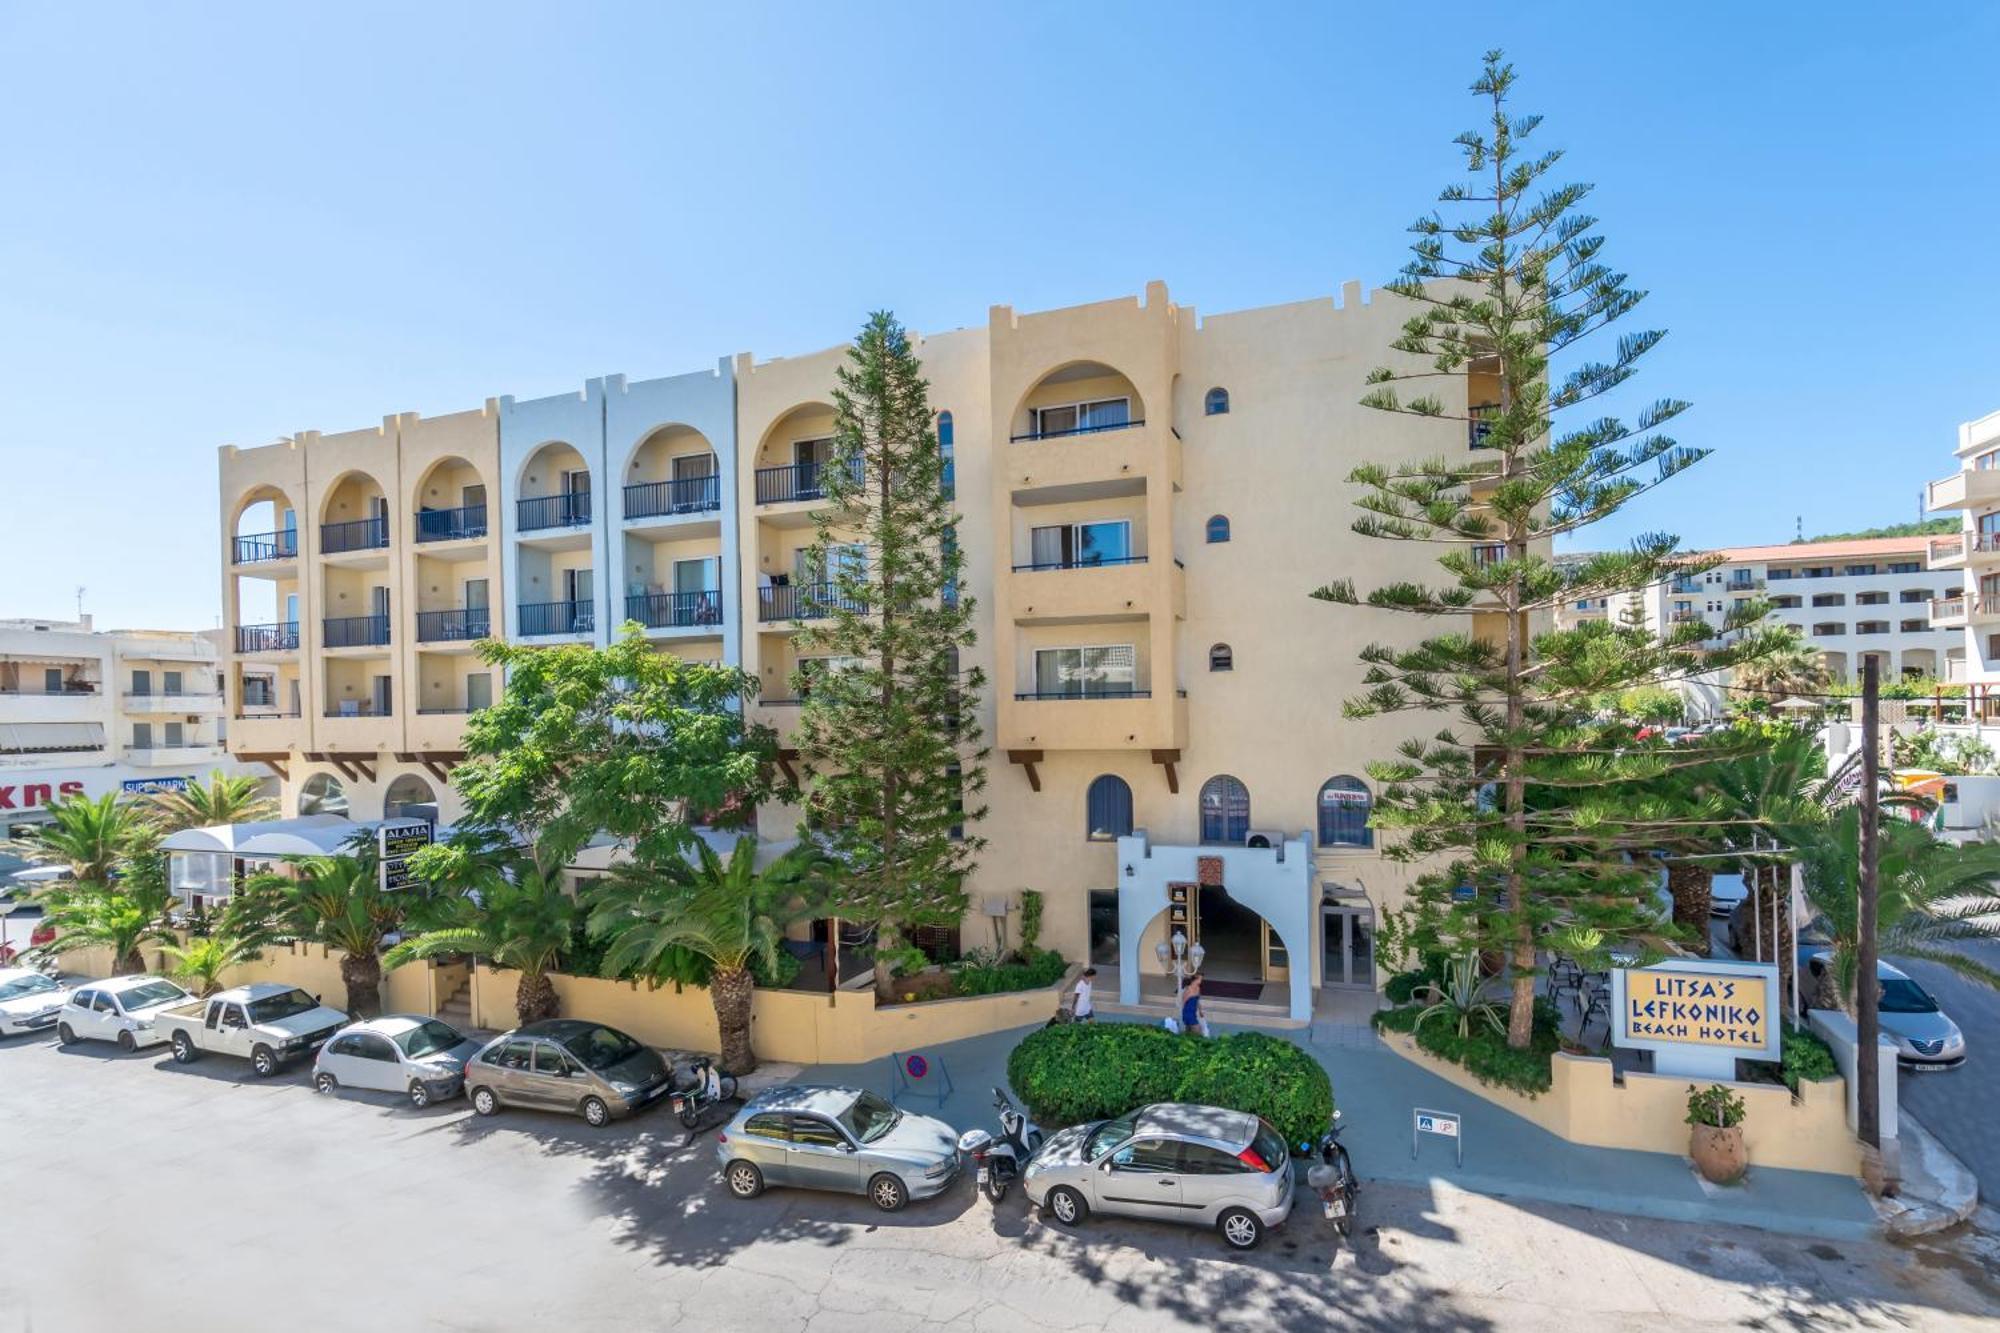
[[948, 480], [1109, 814], [1344, 804], [1225, 810], [322, 794], [944, 431], [1218, 529], [1216, 404], [1221, 659]]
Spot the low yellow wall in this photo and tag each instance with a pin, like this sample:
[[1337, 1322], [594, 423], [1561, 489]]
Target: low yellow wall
[[1648, 1112], [310, 967]]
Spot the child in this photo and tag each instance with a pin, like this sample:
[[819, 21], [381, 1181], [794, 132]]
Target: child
[[1081, 1008]]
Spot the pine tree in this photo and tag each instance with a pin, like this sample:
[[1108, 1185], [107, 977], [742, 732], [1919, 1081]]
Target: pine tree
[[890, 737], [1524, 810]]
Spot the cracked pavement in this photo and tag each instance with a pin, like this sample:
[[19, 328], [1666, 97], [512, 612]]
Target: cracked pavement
[[144, 1195]]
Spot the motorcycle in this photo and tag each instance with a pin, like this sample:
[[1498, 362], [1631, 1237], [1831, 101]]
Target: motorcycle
[[705, 1087], [999, 1162], [1333, 1177]]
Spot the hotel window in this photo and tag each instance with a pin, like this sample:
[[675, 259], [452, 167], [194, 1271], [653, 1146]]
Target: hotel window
[[1785, 603], [1819, 571], [1218, 530], [1830, 599], [1782, 574], [1225, 810], [1099, 671], [173, 734], [1109, 815], [1216, 404], [1344, 803], [1860, 571], [142, 735], [1220, 658], [1914, 626], [1906, 567], [947, 473], [1079, 418], [1871, 599], [1988, 460], [1828, 629], [1068, 545], [1916, 594]]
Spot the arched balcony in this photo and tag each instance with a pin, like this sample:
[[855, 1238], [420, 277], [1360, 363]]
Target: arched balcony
[[793, 456], [451, 502], [673, 473], [555, 489], [354, 516]]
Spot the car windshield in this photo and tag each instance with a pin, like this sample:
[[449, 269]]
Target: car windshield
[[1108, 1136], [869, 1118], [150, 993], [428, 1039], [601, 1048], [20, 986], [283, 1005], [1900, 995]]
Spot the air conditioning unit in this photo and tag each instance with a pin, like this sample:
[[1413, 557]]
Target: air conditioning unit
[[1265, 837]]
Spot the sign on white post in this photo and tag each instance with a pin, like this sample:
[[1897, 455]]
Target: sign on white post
[[397, 841], [1444, 1124], [1697, 1017]]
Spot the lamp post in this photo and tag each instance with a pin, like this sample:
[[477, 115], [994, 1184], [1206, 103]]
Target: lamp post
[[1181, 961]]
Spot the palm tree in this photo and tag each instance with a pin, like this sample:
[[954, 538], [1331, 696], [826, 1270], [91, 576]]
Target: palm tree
[[1796, 668], [219, 800], [338, 901], [723, 917], [1929, 893], [121, 912], [90, 837], [202, 961], [516, 914]]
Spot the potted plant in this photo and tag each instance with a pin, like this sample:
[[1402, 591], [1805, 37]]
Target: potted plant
[[1716, 1142]]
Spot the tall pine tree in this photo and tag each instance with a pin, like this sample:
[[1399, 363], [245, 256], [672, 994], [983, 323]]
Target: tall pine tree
[[891, 739], [1524, 810]]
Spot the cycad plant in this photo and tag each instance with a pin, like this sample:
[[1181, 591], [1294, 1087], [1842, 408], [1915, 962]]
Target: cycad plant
[[202, 961], [707, 922], [338, 901], [514, 913], [1460, 999], [218, 800]]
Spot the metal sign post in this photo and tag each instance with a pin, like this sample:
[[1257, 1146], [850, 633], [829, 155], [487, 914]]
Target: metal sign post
[[1444, 1124]]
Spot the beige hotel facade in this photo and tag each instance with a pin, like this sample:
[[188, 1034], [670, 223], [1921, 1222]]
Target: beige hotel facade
[[1147, 498]]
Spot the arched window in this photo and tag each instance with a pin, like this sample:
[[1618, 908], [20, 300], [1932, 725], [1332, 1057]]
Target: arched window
[[1344, 803], [1218, 529], [1110, 808], [410, 797], [948, 481], [1225, 810], [322, 795], [1216, 404], [944, 431], [1221, 659]]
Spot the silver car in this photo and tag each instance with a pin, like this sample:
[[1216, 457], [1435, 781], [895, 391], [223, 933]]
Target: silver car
[[404, 1053], [1925, 1037], [566, 1064], [29, 1001], [840, 1139], [1197, 1165]]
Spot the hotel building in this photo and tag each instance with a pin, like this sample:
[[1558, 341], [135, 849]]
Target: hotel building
[[1970, 608], [1146, 500]]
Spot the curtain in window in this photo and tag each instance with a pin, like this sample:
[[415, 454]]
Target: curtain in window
[[1344, 803], [1225, 810], [1045, 546], [1109, 808]]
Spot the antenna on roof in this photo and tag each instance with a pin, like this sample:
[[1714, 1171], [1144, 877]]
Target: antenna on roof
[[1798, 527], [79, 601]]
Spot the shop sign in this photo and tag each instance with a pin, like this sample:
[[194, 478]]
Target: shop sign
[[1697, 1017]]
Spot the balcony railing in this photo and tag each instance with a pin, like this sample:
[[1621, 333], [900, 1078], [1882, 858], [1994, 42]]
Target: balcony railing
[[262, 546], [1948, 608], [1086, 563], [279, 638], [1947, 548], [263, 711], [1078, 430], [355, 631], [571, 509], [804, 601], [1105, 693], [798, 481], [558, 617], [361, 534], [675, 610], [1871, 627], [1684, 617], [445, 525], [459, 626], [1744, 585], [683, 495], [357, 708], [69, 688], [169, 697]]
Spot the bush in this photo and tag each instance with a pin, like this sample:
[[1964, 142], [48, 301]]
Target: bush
[[1484, 1053], [1403, 987], [1092, 1071], [1044, 967], [1031, 922], [1807, 1059], [904, 961]]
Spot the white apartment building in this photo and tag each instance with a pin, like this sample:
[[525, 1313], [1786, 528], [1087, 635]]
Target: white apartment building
[[1970, 611]]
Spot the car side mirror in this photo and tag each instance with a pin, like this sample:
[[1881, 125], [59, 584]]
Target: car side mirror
[[845, 1146]]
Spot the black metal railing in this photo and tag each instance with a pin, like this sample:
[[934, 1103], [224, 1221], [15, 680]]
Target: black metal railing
[[1078, 430], [558, 617], [568, 510], [454, 626], [355, 631], [279, 638], [683, 495], [1086, 562], [358, 708], [1106, 693], [674, 610], [444, 525], [260, 546], [361, 534], [68, 687], [804, 601], [797, 481]]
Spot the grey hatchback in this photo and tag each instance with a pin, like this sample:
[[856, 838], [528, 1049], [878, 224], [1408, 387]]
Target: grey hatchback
[[566, 1064], [836, 1139]]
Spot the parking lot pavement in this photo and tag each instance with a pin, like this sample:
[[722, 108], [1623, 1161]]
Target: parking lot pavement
[[145, 1195]]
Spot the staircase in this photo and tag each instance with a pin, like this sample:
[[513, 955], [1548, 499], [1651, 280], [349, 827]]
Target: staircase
[[456, 1008]]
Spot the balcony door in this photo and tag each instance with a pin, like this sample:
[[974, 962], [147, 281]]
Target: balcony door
[[291, 608], [1098, 670], [478, 691], [142, 683], [171, 682], [577, 586], [694, 467], [473, 497], [1070, 544], [380, 696]]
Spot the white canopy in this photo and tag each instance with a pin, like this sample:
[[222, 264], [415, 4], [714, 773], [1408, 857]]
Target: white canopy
[[34, 737], [308, 835]]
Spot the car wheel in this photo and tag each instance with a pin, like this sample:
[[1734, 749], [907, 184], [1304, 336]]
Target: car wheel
[[64, 1035], [184, 1051], [127, 1042], [484, 1102], [745, 1181], [263, 1061], [595, 1113], [887, 1193], [1068, 1207], [420, 1095], [1241, 1229], [325, 1084]]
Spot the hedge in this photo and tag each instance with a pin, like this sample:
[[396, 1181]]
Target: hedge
[[1044, 967], [1093, 1071]]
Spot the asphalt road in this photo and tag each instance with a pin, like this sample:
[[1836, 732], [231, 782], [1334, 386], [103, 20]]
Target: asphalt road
[[1955, 1104], [143, 1195]]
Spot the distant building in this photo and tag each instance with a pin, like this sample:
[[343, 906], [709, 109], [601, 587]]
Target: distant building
[[1970, 610]]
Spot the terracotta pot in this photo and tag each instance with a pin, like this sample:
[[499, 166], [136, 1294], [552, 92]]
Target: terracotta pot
[[1719, 1154]]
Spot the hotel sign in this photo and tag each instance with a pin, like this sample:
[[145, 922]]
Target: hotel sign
[[1697, 1017]]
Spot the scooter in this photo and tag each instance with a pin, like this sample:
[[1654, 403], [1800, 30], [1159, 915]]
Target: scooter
[[1333, 1178], [706, 1087], [1000, 1161]]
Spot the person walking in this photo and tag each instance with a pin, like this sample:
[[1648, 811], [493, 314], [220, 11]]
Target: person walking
[[1191, 1015], [1081, 1010]]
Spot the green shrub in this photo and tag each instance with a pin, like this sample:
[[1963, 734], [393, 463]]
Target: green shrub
[[1484, 1053], [1807, 1059], [903, 962], [1092, 1071], [1031, 922], [1045, 967]]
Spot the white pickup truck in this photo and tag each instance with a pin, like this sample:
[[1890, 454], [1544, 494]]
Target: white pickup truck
[[267, 1023]]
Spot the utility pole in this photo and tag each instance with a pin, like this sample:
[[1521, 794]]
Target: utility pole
[[1867, 1017]]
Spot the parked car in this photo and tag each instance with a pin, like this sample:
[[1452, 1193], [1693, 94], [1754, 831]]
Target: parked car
[[29, 1001], [1724, 893], [1173, 1162], [1925, 1036], [267, 1023], [124, 1009], [406, 1053], [842, 1139], [566, 1064]]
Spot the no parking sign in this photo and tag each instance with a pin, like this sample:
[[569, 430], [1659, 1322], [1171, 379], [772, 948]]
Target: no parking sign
[[913, 1073]]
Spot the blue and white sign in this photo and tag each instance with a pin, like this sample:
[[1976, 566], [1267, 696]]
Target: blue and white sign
[[150, 786], [1444, 1124]]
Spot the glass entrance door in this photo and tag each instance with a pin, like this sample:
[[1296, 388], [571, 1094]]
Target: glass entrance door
[[1348, 945]]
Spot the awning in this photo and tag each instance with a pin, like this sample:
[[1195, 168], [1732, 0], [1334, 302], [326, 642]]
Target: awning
[[300, 835], [41, 737]]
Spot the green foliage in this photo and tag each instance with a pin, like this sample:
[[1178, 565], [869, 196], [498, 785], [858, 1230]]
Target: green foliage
[[1714, 1105], [219, 800], [91, 837], [1929, 527], [1940, 752], [510, 911], [682, 919], [904, 960], [1648, 703], [1031, 922], [203, 960], [1092, 1071], [119, 900], [1806, 1058], [1458, 999], [978, 976], [891, 743], [1484, 1053], [1788, 667], [333, 900]]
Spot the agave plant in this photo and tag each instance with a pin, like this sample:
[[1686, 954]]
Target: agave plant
[[1460, 998]]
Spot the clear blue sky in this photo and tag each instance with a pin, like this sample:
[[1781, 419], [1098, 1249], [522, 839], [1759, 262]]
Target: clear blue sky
[[228, 223]]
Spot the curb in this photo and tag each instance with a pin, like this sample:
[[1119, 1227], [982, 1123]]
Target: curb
[[1938, 1190]]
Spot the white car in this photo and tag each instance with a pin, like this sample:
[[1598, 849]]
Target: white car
[[29, 1001], [121, 1010], [405, 1053]]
